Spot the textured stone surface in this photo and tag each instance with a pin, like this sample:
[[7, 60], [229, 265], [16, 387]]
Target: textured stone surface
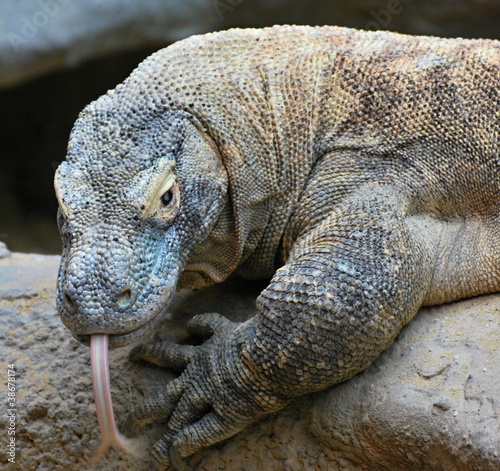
[[429, 402]]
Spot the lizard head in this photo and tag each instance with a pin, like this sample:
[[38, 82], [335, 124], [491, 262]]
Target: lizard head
[[138, 191]]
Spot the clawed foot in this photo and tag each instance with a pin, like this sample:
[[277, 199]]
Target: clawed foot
[[216, 396]]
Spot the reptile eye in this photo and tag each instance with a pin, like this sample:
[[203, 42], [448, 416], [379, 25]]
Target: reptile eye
[[167, 198]]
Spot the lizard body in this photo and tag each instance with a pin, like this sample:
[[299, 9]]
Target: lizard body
[[358, 171]]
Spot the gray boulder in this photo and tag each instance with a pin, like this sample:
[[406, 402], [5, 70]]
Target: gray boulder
[[44, 35], [431, 401]]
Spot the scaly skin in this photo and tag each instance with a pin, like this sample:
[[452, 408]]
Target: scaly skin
[[360, 172]]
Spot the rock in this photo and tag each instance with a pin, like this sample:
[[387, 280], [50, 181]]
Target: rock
[[430, 401], [45, 35], [4, 251]]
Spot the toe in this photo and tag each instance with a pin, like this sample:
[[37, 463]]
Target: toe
[[160, 458], [163, 354], [212, 428], [205, 325], [157, 407], [190, 408]]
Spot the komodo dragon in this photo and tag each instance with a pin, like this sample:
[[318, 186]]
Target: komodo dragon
[[358, 171]]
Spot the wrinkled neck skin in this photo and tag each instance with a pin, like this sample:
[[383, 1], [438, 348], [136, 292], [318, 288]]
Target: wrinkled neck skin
[[266, 141]]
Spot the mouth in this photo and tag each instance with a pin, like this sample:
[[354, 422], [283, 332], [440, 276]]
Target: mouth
[[125, 338]]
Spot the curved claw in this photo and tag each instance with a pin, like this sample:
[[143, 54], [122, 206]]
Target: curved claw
[[166, 458], [130, 428], [181, 464], [212, 428]]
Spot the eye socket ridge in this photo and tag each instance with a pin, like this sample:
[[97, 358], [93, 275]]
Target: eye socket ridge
[[163, 203], [169, 202]]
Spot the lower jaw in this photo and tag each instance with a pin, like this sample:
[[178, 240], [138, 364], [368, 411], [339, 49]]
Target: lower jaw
[[122, 340]]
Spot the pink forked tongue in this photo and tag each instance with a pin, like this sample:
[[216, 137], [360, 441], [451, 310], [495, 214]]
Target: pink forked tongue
[[110, 436]]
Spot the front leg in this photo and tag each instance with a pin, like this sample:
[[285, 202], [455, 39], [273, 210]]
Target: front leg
[[347, 289]]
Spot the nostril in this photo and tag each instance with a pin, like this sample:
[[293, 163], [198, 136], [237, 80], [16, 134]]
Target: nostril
[[124, 299], [68, 300]]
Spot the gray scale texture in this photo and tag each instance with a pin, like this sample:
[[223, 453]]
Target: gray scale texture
[[358, 171]]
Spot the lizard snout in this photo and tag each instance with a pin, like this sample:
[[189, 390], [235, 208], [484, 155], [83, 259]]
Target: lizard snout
[[97, 290], [122, 301]]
